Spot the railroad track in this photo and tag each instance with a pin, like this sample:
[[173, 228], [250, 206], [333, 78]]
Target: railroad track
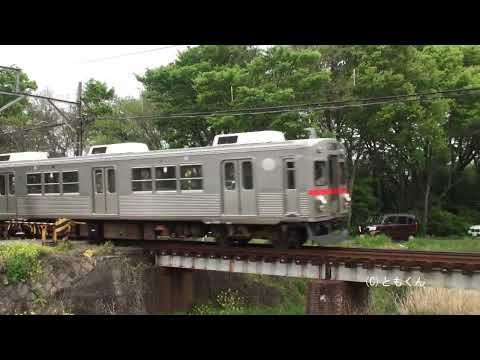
[[406, 260]]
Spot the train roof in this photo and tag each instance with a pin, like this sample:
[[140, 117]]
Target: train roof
[[218, 149]]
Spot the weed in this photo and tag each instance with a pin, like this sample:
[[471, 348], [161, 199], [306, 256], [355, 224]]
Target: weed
[[385, 300], [228, 302], [64, 246], [105, 249]]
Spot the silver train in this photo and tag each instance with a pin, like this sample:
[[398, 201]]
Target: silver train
[[245, 186]]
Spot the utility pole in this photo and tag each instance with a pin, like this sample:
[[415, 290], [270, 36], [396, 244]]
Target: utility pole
[[80, 121]]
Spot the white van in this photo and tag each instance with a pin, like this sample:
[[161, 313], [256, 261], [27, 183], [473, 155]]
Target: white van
[[474, 230]]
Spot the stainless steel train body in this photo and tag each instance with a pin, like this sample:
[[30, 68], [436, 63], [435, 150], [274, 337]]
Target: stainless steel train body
[[232, 191]]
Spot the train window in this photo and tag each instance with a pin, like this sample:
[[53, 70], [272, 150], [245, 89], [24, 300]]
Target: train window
[[34, 183], [290, 169], [342, 175], [70, 177], [191, 177], [166, 178], [11, 184], [247, 175], [111, 181], [70, 182], [2, 185], [142, 179], [52, 182], [142, 174], [4, 157], [229, 176], [319, 173], [99, 181]]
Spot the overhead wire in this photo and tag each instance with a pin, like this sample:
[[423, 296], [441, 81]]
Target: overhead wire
[[332, 105], [339, 104], [130, 54]]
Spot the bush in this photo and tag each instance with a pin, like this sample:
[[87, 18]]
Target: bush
[[364, 201], [444, 223], [20, 261], [470, 215]]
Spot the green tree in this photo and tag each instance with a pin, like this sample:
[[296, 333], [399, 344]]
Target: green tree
[[210, 78], [98, 101], [14, 117]]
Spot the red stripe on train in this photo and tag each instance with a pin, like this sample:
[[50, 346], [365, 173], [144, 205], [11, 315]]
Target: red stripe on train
[[328, 191]]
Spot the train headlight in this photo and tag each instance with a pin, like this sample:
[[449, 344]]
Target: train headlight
[[348, 200], [320, 202]]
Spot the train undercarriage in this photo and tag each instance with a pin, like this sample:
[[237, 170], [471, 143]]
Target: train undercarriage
[[282, 236]]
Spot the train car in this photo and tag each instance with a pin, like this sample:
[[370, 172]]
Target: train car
[[245, 186]]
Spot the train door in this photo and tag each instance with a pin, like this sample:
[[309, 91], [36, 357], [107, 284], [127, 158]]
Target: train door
[[3, 194], [238, 187], [105, 199], [334, 182], [290, 186], [8, 204]]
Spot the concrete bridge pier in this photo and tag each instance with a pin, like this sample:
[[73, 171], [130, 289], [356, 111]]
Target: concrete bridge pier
[[332, 297]]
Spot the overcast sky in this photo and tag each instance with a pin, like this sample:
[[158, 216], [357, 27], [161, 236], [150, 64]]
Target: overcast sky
[[60, 67]]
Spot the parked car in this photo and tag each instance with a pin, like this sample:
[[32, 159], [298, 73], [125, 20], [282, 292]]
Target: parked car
[[474, 230], [397, 226]]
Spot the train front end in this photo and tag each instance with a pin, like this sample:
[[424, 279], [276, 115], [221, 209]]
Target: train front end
[[329, 194]]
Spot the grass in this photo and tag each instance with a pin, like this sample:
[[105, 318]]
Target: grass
[[423, 301], [467, 244], [433, 301]]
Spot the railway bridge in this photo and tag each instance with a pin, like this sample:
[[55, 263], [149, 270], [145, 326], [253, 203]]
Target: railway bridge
[[340, 277]]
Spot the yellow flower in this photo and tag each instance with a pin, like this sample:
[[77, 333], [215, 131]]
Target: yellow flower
[[89, 253]]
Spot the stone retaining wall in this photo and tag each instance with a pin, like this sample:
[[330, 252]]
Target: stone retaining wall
[[122, 284]]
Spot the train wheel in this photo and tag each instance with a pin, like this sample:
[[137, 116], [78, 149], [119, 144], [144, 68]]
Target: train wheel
[[291, 238], [242, 242], [280, 238], [221, 237], [279, 244], [296, 238], [224, 241]]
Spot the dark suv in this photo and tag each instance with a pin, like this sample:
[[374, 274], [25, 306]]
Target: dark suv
[[397, 226]]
